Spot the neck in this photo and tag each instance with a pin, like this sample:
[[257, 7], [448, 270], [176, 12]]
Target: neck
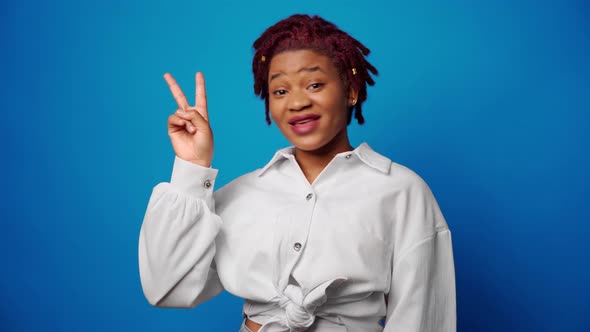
[[313, 162]]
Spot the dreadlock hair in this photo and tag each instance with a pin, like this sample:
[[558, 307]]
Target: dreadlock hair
[[314, 33]]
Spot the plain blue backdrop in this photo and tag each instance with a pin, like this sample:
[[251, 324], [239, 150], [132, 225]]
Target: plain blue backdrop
[[487, 101]]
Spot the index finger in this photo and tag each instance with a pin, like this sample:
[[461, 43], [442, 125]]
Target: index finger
[[176, 92], [201, 95]]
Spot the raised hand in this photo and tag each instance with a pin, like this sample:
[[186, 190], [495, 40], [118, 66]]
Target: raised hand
[[188, 127]]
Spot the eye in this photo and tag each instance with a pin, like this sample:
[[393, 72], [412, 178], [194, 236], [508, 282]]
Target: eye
[[279, 92], [315, 86]]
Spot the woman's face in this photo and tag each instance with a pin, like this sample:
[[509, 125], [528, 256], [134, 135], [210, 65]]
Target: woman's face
[[307, 99]]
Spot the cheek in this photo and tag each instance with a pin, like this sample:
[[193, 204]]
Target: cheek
[[339, 109], [274, 115]]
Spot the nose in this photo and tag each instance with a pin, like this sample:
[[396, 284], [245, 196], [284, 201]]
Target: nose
[[298, 101]]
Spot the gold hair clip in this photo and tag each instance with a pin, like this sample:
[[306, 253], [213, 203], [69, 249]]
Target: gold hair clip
[[262, 58], [354, 71]]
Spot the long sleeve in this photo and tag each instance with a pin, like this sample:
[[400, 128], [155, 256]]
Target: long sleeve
[[422, 294], [177, 239], [422, 290]]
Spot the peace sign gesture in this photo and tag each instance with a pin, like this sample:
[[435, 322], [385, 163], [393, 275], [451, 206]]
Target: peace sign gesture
[[188, 127]]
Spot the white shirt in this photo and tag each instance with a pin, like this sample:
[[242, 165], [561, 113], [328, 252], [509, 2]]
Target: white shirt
[[365, 241]]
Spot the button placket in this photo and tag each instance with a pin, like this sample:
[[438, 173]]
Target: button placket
[[297, 245]]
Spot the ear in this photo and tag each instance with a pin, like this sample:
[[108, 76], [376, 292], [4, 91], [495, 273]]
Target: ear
[[352, 97]]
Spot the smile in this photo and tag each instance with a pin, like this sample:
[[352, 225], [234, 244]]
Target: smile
[[304, 124]]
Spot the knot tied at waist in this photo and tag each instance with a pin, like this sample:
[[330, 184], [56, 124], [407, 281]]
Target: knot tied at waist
[[300, 309], [298, 315]]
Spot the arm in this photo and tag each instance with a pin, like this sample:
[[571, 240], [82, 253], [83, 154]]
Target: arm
[[422, 291], [177, 239], [422, 294]]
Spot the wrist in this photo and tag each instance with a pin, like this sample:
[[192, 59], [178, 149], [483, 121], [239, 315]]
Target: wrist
[[193, 179], [202, 163]]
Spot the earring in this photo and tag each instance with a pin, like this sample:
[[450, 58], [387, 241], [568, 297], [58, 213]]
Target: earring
[[354, 102]]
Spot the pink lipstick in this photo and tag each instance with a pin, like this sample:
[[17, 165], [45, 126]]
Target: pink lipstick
[[304, 124]]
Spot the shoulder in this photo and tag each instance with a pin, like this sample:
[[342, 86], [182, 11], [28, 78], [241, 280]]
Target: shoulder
[[393, 175], [236, 187], [415, 209], [407, 179], [245, 185]]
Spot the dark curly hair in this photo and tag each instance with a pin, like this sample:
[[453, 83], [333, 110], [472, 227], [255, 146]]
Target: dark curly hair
[[313, 32]]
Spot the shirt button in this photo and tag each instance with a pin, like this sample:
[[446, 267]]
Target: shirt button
[[348, 156], [309, 196], [207, 184], [297, 246]]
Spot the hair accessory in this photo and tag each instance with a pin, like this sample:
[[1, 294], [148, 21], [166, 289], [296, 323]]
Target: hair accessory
[[262, 58], [354, 71]]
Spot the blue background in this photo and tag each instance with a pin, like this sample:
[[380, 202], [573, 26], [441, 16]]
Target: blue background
[[487, 101]]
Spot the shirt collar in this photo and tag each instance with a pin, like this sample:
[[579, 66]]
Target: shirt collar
[[363, 152]]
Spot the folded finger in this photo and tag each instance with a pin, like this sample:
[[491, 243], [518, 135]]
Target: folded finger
[[178, 123], [194, 117]]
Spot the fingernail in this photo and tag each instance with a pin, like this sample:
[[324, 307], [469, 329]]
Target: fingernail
[[181, 111], [191, 128]]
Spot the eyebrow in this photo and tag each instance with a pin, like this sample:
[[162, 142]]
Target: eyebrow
[[305, 69]]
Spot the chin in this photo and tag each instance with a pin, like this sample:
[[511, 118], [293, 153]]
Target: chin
[[309, 143]]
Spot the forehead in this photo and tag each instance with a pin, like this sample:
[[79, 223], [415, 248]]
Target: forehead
[[291, 62]]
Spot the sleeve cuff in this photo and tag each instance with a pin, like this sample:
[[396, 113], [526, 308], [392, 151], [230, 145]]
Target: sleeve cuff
[[192, 179]]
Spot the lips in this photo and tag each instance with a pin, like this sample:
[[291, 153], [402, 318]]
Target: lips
[[302, 119], [304, 124]]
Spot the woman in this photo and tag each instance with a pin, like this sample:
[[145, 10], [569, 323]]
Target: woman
[[325, 237]]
